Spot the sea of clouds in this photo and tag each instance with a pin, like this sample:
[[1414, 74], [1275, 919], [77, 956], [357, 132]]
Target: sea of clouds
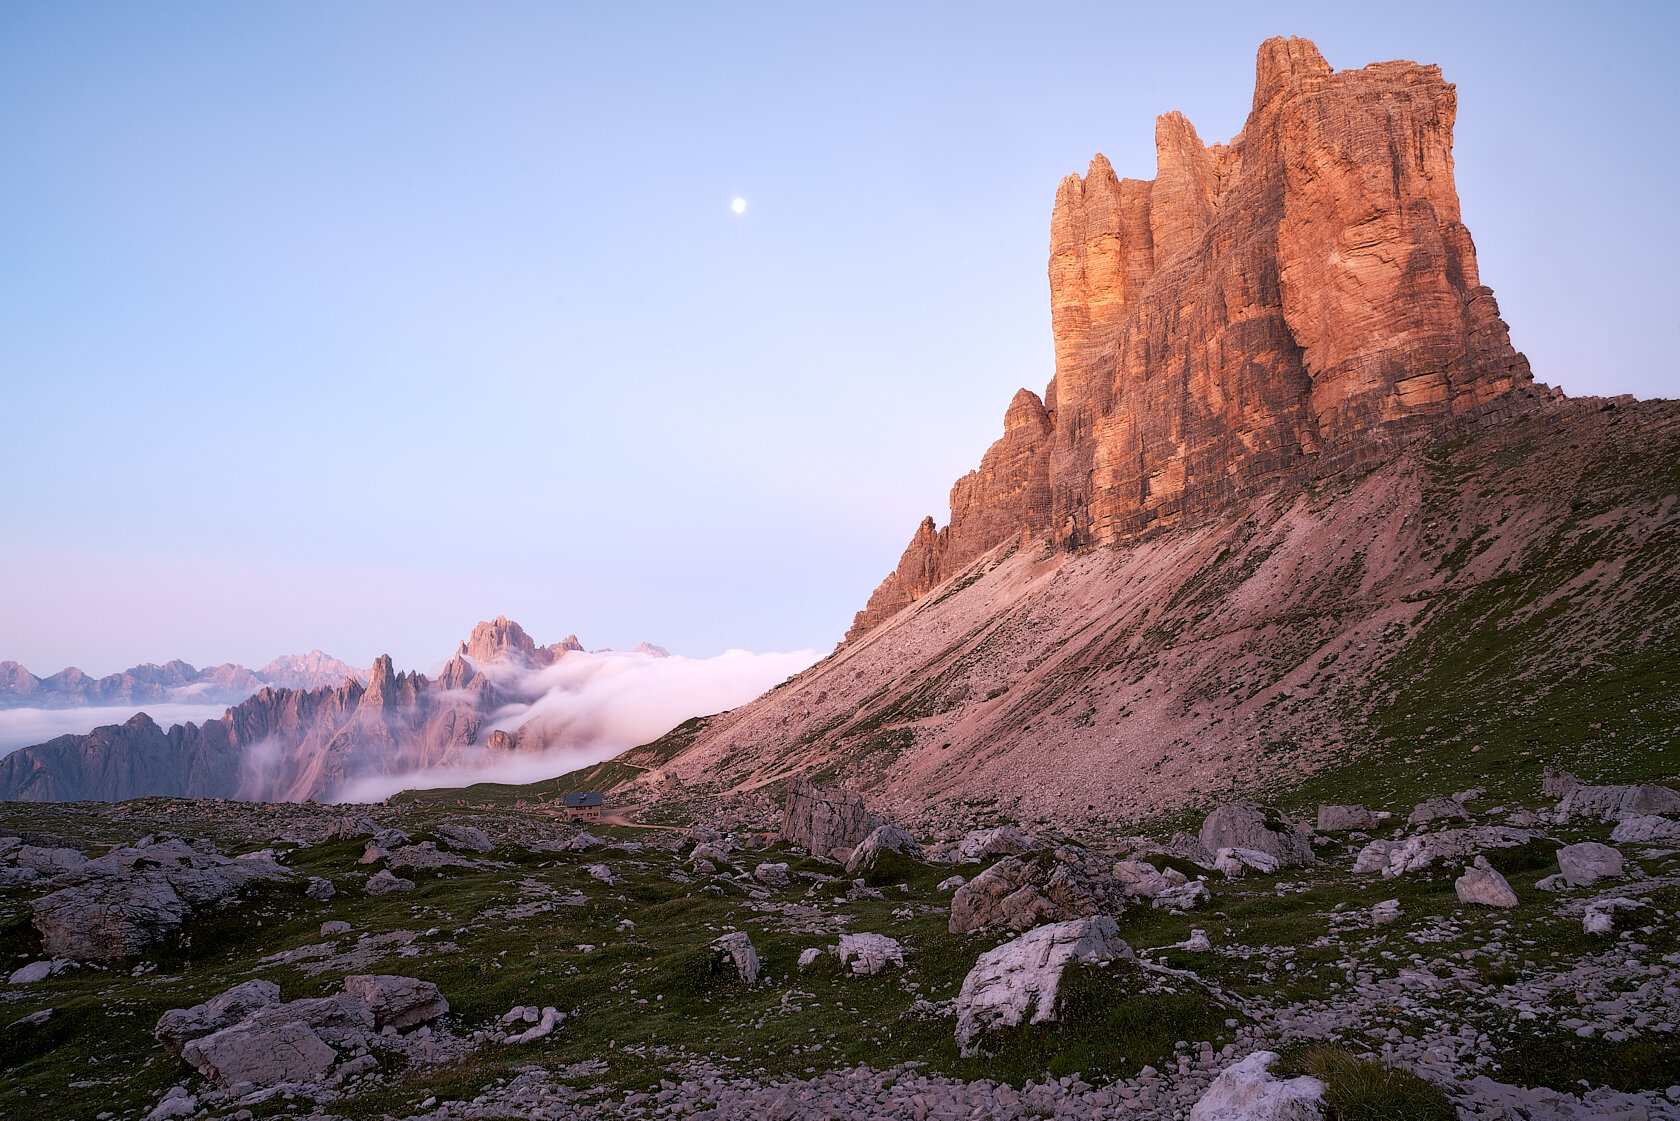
[[591, 706]]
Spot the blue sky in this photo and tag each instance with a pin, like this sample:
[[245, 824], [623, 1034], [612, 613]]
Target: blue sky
[[348, 325]]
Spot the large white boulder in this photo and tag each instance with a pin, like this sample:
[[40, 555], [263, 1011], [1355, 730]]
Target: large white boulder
[[1588, 862], [1018, 981], [1245, 825], [1248, 1092], [1481, 883]]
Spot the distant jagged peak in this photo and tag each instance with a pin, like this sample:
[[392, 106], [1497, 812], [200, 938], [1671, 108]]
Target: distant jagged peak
[[309, 671], [651, 650], [502, 641]]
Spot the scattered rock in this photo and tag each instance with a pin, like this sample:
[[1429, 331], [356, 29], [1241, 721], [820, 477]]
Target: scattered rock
[[950, 883], [1246, 825], [1396, 858], [1555, 882], [1600, 916], [549, 1019], [1017, 982], [1482, 884], [34, 1019], [809, 957], [1197, 943], [1588, 862], [334, 927], [385, 880], [320, 889], [1248, 1092], [601, 872], [584, 841], [1184, 897], [773, 875], [868, 953], [1385, 912], [176, 1103]]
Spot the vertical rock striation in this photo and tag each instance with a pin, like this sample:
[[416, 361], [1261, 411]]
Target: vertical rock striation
[[1301, 301]]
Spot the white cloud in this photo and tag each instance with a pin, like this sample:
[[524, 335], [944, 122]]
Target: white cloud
[[591, 706]]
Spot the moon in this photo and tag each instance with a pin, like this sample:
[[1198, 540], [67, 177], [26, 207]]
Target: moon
[[739, 206]]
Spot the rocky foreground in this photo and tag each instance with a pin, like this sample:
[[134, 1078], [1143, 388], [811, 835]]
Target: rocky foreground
[[217, 959]]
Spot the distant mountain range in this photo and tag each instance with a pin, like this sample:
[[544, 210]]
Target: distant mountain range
[[302, 727], [174, 681]]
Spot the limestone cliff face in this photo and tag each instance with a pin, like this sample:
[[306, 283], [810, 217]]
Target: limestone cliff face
[[1298, 302]]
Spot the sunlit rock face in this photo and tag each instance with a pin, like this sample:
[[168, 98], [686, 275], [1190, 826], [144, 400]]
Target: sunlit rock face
[[1299, 301]]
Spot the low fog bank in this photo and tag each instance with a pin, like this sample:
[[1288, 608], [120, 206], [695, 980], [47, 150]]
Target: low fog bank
[[26, 727], [590, 706]]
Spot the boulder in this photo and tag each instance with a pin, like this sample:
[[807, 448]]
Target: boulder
[[773, 875], [1385, 912], [1646, 828], [885, 837], [320, 889], [49, 861], [584, 841], [1248, 1092], [386, 881], [1482, 884], [828, 824], [372, 854], [178, 1102], [1588, 862], [1183, 897], [39, 971], [398, 1002], [1018, 981], [1005, 840], [738, 949], [809, 957], [334, 927], [1555, 882], [709, 853], [1617, 803], [1197, 943], [1438, 809], [1140, 877], [121, 903], [468, 838], [868, 954], [950, 883], [1342, 819], [176, 1027], [1046, 886], [601, 872], [1245, 825], [261, 1055]]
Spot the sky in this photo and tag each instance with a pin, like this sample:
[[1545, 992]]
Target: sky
[[346, 326]]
